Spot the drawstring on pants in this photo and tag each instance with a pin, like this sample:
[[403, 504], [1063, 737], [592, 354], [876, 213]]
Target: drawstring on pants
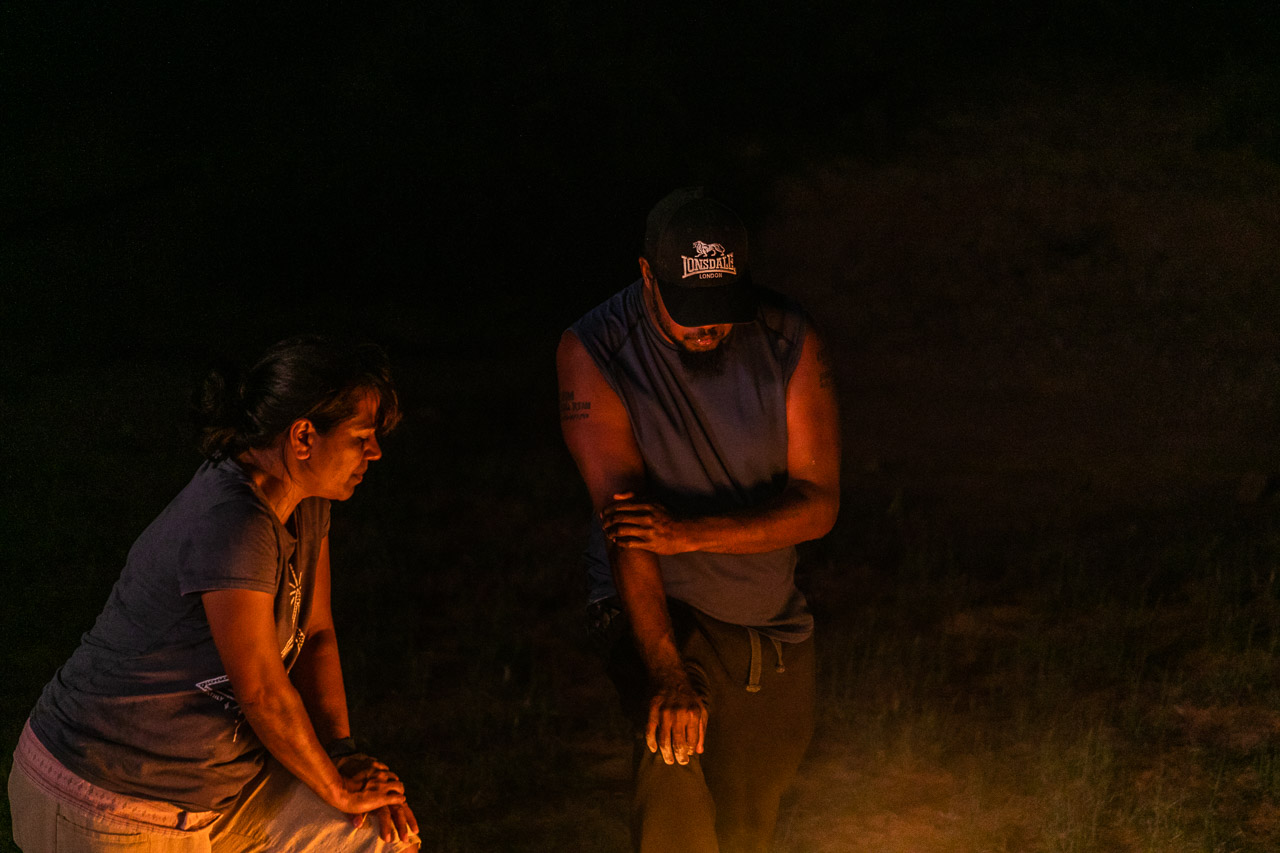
[[753, 678]]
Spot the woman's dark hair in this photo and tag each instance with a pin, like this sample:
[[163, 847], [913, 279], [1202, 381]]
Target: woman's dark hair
[[309, 377]]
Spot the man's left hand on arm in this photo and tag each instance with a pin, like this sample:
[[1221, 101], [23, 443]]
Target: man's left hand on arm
[[629, 522]]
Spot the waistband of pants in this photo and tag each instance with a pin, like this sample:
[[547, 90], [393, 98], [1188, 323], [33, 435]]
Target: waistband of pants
[[51, 776]]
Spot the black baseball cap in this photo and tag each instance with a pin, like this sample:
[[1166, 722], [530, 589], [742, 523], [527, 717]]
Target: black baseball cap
[[697, 249]]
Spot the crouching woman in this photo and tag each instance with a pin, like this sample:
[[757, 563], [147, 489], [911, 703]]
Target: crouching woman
[[205, 709]]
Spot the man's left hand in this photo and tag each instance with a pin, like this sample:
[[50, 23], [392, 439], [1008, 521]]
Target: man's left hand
[[649, 526]]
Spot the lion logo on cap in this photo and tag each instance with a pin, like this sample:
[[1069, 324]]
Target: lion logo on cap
[[711, 261]]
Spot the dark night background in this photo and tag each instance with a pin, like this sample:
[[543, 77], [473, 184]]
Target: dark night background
[[278, 168], [459, 182]]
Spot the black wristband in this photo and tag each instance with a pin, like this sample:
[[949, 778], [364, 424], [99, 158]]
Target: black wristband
[[341, 748]]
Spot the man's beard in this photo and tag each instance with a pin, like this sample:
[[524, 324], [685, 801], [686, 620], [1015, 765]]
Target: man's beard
[[705, 362]]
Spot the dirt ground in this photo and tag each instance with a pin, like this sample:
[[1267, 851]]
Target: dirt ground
[[1055, 308], [1052, 312]]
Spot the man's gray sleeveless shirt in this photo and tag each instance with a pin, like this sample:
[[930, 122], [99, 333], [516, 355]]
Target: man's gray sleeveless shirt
[[712, 442]]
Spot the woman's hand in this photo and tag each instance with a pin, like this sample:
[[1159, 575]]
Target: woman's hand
[[362, 775]]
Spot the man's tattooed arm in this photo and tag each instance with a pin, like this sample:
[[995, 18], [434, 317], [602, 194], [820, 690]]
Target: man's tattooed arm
[[573, 410]]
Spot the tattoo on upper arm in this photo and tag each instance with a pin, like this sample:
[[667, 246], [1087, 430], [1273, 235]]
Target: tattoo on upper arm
[[573, 410]]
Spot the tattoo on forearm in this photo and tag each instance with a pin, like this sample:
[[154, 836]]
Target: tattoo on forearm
[[573, 410]]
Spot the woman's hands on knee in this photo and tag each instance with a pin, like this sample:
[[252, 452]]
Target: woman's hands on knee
[[365, 776]]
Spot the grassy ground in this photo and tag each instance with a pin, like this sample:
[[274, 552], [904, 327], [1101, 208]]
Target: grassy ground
[[1048, 616]]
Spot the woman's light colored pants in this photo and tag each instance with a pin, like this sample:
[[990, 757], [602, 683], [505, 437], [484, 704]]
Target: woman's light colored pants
[[55, 811]]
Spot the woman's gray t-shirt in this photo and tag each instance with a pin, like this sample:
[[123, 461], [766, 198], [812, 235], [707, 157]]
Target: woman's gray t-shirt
[[143, 707]]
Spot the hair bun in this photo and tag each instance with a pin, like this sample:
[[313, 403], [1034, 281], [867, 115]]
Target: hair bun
[[217, 407]]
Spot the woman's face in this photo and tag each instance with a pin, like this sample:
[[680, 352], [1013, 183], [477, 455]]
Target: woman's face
[[340, 456]]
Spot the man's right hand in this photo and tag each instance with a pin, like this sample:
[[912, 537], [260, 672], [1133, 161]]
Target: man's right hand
[[677, 720]]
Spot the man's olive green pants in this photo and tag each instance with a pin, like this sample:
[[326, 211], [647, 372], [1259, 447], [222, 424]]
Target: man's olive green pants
[[760, 695]]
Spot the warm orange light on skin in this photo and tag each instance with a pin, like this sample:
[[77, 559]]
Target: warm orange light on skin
[[339, 458], [304, 462], [692, 338]]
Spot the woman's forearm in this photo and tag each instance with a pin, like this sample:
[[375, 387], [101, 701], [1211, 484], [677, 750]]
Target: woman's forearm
[[317, 675]]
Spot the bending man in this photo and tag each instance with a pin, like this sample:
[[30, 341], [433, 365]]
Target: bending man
[[700, 413]]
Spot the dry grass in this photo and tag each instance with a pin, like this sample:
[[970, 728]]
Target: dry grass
[[1056, 317], [1046, 624]]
